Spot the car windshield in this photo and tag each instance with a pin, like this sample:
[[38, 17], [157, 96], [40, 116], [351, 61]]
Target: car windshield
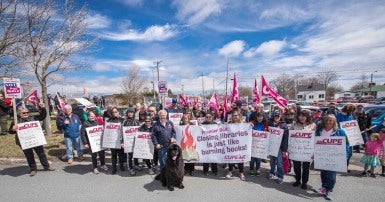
[[375, 112]]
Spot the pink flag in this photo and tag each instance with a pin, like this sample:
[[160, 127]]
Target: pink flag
[[214, 102], [267, 91], [256, 96], [183, 100], [33, 98], [235, 93]]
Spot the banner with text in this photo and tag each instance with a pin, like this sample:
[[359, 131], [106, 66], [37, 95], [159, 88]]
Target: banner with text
[[330, 153], [12, 88], [30, 135], [111, 135], [275, 139], [129, 133], [175, 118], [94, 134], [226, 143], [301, 145], [143, 147], [353, 132], [260, 144]]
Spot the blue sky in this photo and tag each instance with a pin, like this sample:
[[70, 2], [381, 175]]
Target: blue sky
[[197, 37]]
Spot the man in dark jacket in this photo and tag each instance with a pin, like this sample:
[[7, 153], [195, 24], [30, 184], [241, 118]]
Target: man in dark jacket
[[364, 120], [3, 115]]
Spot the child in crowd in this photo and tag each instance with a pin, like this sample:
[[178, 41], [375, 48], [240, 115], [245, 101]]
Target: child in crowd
[[372, 152]]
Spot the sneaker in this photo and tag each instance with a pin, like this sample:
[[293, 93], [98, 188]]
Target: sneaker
[[32, 173], [257, 173], [321, 191], [373, 175], [270, 176], [229, 175], [104, 167], [138, 168], [132, 172], [69, 161], [242, 177], [96, 171], [328, 196], [49, 168], [151, 171], [81, 158], [296, 184], [279, 181]]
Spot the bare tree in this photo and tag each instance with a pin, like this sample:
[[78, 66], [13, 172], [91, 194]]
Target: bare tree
[[332, 90], [245, 91], [327, 77], [361, 84], [56, 35], [132, 84], [285, 85]]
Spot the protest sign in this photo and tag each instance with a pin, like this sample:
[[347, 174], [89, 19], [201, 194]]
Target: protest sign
[[260, 144], [94, 135], [353, 132], [330, 153], [111, 135], [275, 139], [227, 143], [143, 147], [12, 88], [30, 135], [301, 145], [175, 117], [162, 87], [129, 133]]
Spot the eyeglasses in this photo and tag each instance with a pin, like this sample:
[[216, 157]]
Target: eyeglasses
[[24, 112], [147, 121]]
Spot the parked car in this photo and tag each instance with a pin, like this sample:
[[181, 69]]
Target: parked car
[[377, 112], [378, 101]]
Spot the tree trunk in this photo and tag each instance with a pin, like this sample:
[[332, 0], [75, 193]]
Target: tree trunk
[[48, 129]]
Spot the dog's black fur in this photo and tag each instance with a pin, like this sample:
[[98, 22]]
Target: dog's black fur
[[173, 172]]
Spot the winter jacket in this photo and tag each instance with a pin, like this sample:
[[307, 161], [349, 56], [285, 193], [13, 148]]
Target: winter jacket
[[71, 130], [162, 134]]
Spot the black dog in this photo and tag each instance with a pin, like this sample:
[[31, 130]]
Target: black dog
[[173, 172]]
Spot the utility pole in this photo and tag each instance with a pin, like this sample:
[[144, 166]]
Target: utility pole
[[203, 86], [157, 69], [227, 74], [182, 90]]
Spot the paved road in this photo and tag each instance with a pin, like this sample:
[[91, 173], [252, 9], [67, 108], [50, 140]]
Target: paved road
[[77, 182]]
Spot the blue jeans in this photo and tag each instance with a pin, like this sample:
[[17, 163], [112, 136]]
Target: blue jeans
[[328, 179], [70, 142], [255, 162], [162, 155], [276, 164]]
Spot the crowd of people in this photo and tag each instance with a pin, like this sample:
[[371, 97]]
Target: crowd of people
[[163, 134]]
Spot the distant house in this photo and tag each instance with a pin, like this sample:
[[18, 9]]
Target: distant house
[[311, 93], [347, 94], [377, 91]]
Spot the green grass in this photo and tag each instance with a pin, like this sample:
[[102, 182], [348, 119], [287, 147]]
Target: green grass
[[54, 148]]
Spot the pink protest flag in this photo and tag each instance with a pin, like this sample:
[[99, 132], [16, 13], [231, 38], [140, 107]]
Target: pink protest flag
[[32, 98], [256, 96], [267, 91], [183, 100], [235, 93], [214, 102]]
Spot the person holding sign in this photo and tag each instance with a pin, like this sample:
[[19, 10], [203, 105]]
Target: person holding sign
[[147, 127], [131, 121], [188, 167], [346, 114], [86, 142], [304, 122], [328, 128], [276, 163], [214, 166], [23, 117], [259, 124], [115, 118]]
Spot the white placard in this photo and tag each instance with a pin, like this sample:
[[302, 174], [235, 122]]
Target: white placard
[[94, 135], [12, 88], [143, 148], [275, 139], [85, 102], [175, 118], [260, 144], [129, 133], [111, 135], [301, 145], [330, 153], [30, 135], [353, 132]]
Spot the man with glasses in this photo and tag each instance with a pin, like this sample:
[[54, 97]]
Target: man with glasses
[[3, 115], [23, 116]]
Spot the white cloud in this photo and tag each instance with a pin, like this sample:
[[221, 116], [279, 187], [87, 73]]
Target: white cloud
[[98, 21], [152, 33], [133, 3], [232, 49], [196, 11], [269, 48]]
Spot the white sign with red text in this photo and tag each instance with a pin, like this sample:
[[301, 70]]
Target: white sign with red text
[[129, 133], [143, 148], [94, 135], [353, 132], [30, 135], [275, 139], [330, 153], [260, 144], [175, 118], [111, 135], [301, 145]]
